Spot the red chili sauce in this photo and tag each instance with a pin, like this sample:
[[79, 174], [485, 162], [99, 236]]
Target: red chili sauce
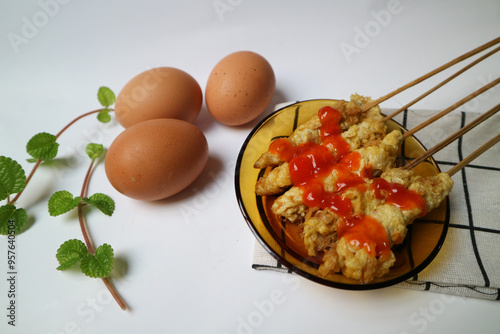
[[367, 232], [397, 195], [310, 163]]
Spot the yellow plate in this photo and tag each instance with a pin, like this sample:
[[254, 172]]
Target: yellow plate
[[423, 241]]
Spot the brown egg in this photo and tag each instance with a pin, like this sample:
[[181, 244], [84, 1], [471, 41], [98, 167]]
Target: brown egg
[[239, 88], [162, 92], [155, 159]]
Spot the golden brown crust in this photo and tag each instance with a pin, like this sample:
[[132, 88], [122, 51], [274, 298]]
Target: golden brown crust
[[373, 130], [365, 133], [274, 182]]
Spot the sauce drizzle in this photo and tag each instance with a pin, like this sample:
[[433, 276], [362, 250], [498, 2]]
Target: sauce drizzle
[[367, 232], [310, 163], [397, 195]]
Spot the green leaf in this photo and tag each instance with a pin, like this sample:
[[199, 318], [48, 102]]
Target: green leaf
[[102, 202], [103, 116], [42, 146], [61, 202], [100, 264], [106, 96], [70, 253], [94, 151], [12, 177], [9, 215]]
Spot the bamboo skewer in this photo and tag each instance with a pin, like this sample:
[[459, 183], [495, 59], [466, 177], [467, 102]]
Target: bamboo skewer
[[451, 108], [453, 137], [431, 73], [469, 97], [474, 155], [441, 84]]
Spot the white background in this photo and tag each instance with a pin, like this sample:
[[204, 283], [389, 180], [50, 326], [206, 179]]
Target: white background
[[184, 264]]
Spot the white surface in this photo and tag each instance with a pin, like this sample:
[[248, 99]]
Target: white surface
[[187, 259]]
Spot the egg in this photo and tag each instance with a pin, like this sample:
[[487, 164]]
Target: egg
[[156, 159], [239, 88], [162, 92]]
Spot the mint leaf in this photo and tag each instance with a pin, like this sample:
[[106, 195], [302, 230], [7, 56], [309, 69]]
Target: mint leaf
[[102, 202], [70, 253], [94, 151], [12, 177], [103, 116], [42, 146], [106, 96], [100, 264], [9, 214], [61, 202]]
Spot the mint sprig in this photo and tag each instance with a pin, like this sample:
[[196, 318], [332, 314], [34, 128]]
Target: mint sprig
[[102, 202], [94, 151], [61, 202], [93, 264], [12, 177], [106, 98], [74, 251], [103, 116], [42, 146], [100, 264], [70, 253], [9, 213]]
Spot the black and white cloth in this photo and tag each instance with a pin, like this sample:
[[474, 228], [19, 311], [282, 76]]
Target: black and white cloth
[[468, 263]]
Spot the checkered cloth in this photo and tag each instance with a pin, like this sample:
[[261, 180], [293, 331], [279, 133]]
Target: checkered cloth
[[468, 263]]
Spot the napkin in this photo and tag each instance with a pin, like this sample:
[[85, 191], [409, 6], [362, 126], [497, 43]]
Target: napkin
[[468, 263]]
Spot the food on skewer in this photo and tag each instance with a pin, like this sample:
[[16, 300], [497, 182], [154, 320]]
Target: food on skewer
[[335, 176], [367, 133], [362, 245], [348, 114], [353, 169]]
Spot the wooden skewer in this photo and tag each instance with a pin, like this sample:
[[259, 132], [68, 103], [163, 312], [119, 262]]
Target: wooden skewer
[[453, 137], [431, 73], [474, 155], [451, 108], [477, 61]]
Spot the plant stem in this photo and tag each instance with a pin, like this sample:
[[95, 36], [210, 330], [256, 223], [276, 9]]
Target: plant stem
[[114, 293], [37, 164], [35, 167], [83, 225], [86, 235], [80, 117]]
